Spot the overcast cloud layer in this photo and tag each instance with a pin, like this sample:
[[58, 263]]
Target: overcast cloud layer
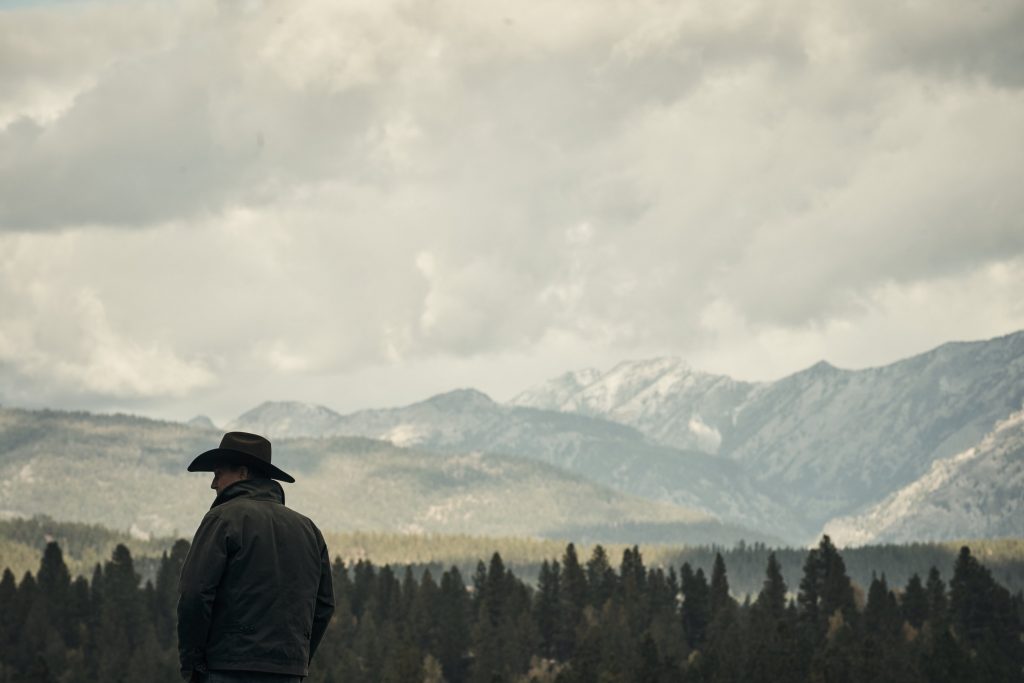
[[206, 205]]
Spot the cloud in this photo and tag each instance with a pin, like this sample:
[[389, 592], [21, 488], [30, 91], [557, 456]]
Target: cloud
[[202, 196], [61, 341]]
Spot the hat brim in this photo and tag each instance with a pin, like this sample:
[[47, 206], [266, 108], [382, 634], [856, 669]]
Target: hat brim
[[217, 457]]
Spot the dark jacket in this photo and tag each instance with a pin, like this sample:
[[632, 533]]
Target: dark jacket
[[255, 591]]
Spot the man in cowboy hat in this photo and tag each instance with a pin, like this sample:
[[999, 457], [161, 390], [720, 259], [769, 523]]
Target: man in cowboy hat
[[255, 594]]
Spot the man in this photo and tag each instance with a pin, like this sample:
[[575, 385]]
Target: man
[[255, 594]]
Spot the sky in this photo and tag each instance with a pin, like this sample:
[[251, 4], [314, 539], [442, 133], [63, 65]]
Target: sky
[[206, 205]]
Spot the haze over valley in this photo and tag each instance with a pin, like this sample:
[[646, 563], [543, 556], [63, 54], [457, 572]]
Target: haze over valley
[[651, 451]]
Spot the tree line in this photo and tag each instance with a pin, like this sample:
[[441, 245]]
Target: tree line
[[582, 621]]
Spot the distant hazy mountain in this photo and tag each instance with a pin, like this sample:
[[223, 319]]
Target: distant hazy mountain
[[824, 441], [664, 398], [836, 440], [974, 494], [201, 422], [785, 457], [128, 473], [606, 452], [287, 419]]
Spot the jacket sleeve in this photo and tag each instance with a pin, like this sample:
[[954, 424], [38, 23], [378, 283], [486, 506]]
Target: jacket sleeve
[[200, 576], [324, 607]]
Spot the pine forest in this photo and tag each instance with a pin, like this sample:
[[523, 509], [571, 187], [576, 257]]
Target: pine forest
[[582, 620]]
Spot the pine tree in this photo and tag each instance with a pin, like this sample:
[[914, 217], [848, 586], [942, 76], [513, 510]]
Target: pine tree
[[79, 609], [771, 601], [884, 656], [387, 596], [121, 617], [774, 657], [914, 602], [632, 573], [38, 650], [839, 657], [944, 660], [720, 598], [423, 614], [665, 626], [724, 653], [938, 603], [8, 621], [650, 670], [166, 594], [55, 589], [453, 625], [547, 608], [696, 611], [635, 593], [488, 662], [836, 588], [982, 616], [620, 657], [825, 589], [881, 614], [364, 585], [809, 596], [370, 645], [91, 646], [409, 590], [574, 592], [601, 578]]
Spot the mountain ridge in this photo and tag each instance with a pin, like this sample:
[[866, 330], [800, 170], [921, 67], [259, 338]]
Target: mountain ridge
[[835, 440], [606, 452], [955, 498], [129, 473], [788, 457]]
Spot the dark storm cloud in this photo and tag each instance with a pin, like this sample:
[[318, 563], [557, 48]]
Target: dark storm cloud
[[978, 40]]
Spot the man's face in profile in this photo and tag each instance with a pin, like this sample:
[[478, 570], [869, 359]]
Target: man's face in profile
[[226, 475]]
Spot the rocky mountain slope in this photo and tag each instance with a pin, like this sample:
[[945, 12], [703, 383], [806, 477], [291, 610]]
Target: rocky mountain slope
[[663, 398], [606, 452], [824, 441], [974, 494], [128, 473], [786, 458]]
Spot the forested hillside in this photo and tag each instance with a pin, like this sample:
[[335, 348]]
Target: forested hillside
[[129, 473], [584, 621], [22, 541]]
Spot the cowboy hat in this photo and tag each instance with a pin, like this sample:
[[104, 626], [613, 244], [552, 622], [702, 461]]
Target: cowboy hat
[[240, 448]]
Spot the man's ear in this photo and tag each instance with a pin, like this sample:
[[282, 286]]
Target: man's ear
[[244, 473]]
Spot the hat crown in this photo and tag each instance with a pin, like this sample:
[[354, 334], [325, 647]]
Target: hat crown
[[250, 444], [240, 448]]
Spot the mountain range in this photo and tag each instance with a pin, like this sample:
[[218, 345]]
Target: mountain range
[[786, 457], [609, 453], [651, 448], [128, 473]]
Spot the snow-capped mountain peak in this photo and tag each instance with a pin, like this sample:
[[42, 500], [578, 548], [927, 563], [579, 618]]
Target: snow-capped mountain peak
[[554, 393], [662, 397]]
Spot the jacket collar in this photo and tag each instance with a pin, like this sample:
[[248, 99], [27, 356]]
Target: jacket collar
[[253, 489]]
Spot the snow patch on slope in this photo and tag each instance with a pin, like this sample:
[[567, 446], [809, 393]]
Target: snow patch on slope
[[707, 436], [664, 398]]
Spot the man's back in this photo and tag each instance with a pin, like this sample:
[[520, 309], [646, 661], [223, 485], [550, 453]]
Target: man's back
[[255, 592]]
